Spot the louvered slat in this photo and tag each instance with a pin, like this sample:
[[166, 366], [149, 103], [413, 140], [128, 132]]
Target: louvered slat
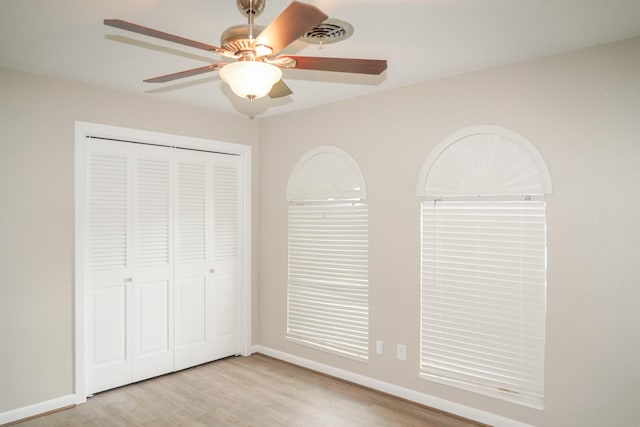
[[328, 296], [153, 215], [191, 207], [108, 206], [225, 212], [483, 294]]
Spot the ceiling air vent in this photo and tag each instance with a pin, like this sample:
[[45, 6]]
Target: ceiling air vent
[[330, 31]]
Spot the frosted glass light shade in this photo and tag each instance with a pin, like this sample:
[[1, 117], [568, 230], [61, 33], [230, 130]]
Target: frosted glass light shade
[[250, 79]]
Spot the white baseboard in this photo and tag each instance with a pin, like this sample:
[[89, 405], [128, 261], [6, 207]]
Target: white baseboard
[[37, 409], [395, 390]]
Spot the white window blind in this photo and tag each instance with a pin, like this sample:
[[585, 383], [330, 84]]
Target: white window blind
[[483, 296], [328, 297]]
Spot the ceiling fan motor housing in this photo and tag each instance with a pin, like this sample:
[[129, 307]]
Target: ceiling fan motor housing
[[238, 40]]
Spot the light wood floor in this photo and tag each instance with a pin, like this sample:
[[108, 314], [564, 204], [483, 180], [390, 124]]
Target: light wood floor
[[247, 391]]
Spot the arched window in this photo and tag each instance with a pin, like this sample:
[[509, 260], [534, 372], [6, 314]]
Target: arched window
[[328, 284], [484, 264]]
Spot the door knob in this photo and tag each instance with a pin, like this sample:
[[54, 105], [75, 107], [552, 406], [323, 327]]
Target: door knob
[[128, 279], [212, 270]]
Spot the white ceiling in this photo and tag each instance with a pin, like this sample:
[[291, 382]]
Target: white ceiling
[[421, 39]]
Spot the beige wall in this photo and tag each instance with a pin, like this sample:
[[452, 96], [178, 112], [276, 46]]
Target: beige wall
[[582, 112], [37, 117]]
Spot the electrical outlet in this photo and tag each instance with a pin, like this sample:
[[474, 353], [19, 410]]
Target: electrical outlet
[[402, 352], [379, 346]]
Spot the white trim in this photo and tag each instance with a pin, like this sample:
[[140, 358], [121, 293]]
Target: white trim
[[85, 129], [79, 274], [245, 267], [395, 390], [158, 138], [512, 136], [37, 409], [321, 150]]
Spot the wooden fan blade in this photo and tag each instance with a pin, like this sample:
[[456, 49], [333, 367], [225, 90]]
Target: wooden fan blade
[[344, 65], [183, 74], [293, 22], [279, 90], [124, 25]]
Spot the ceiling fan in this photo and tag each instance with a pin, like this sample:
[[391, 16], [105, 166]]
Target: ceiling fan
[[254, 70]]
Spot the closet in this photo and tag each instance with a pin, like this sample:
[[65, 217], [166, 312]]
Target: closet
[[161, 274]]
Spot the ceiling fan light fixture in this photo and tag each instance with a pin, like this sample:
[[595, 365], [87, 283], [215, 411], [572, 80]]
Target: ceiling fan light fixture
[[256, 73], [250, 79]]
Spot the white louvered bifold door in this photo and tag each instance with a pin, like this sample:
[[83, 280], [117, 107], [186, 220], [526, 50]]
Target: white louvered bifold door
[[483, 296], [129, 303], [328, 297], [224, 326], [152, 284], [162, 260], [109, 218], [207, 300]]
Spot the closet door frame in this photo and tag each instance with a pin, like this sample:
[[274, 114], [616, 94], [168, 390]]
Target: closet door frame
[[84, 130]]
